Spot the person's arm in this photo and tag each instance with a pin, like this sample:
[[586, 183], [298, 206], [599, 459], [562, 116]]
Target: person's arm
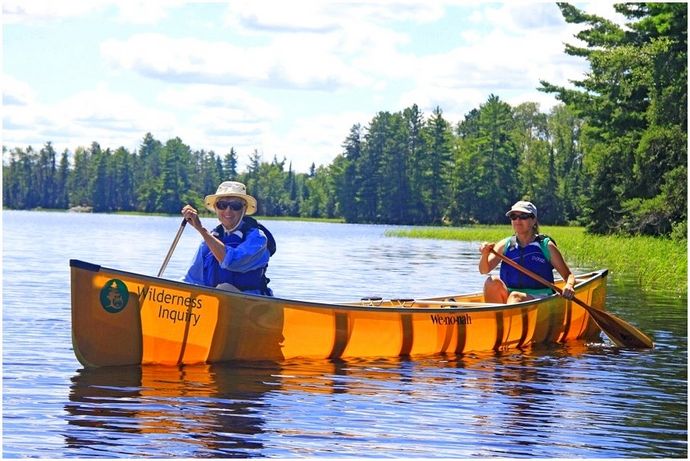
[[561, 266], [216, 246], [488, 261]]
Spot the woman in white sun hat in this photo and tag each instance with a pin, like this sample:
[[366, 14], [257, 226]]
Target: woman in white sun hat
[[532, 250], [235, 254]]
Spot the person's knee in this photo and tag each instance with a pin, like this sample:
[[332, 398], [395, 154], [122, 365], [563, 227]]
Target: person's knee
[[495, 290], [518, 297], [493, 282]]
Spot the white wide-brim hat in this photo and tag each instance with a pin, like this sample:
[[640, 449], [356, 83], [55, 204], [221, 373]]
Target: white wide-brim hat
[[231, 189], [525, 207]]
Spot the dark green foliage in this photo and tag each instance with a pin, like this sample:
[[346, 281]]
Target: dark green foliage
[[345, 178], [438, 167], [633, 105]]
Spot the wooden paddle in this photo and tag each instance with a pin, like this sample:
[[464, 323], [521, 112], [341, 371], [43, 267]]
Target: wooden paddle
[[618, 330], [172, 247]]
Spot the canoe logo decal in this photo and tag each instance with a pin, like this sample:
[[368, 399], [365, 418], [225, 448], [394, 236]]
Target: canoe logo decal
[[114, 296]]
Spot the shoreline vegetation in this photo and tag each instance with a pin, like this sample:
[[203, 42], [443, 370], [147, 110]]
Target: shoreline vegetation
[[655, 263]]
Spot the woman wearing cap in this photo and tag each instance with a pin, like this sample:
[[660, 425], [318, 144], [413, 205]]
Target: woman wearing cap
[[531, 250], [235, 254]]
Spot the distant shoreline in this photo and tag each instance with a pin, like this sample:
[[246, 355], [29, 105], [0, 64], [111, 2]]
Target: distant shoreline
[[203, 213]]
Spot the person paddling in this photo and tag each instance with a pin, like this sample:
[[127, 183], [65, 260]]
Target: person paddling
[[531, 250], [233, 256]]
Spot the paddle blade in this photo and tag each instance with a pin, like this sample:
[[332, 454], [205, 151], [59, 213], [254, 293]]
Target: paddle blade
[[619, 331]]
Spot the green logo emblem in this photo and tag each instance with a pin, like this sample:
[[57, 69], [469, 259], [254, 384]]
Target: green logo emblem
[[114, 296]]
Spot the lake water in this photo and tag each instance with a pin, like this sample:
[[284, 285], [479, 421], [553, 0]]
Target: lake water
[[580, 401]]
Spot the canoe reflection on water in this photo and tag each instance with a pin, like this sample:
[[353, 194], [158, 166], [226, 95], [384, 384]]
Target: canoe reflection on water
[[212, 407], [235, 409]]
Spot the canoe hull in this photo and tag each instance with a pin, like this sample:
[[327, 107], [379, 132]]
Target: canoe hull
[[122, 318]]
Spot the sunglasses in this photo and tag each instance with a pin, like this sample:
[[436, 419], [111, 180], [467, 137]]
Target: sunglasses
[[235, 205], [521, 217]]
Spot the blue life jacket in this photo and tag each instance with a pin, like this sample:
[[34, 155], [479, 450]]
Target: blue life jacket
[[534, 257], [244, 281]]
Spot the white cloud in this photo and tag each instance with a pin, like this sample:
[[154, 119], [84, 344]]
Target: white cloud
[[316, 139], [221, 117], [507, 53], [415, 11], [350, 44], [294, 16], [44, 11], [210, 96], [317, 16], [109, 118], [20, 11], [16, 92], [295, 62], [145, 11], [605, 10], [455, 102], [518, 18]]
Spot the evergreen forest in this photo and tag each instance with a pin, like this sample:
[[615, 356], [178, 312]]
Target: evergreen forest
[[611, 156]]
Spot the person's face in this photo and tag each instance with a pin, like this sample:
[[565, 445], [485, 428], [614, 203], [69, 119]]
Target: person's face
[[230, 211], [521, 221]]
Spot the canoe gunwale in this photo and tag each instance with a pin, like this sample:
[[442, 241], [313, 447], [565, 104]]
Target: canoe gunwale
[[590, 277]]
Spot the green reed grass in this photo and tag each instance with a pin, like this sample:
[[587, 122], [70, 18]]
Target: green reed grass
[[655, 263]]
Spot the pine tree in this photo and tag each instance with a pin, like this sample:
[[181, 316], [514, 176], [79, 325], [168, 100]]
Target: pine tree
[[438, 179]]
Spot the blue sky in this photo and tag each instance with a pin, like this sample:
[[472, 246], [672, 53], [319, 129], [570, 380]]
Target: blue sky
[[287, 78]]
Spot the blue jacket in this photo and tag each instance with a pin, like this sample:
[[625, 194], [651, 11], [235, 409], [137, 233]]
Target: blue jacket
[[535, 257], [246, 260]]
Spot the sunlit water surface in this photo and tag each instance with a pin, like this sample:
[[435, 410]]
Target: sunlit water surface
[[576, 401]]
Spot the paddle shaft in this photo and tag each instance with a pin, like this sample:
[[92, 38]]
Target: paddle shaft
[[172, 247], [618, 330]]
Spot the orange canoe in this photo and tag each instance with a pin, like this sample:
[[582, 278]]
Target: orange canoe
[[124, 318]]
